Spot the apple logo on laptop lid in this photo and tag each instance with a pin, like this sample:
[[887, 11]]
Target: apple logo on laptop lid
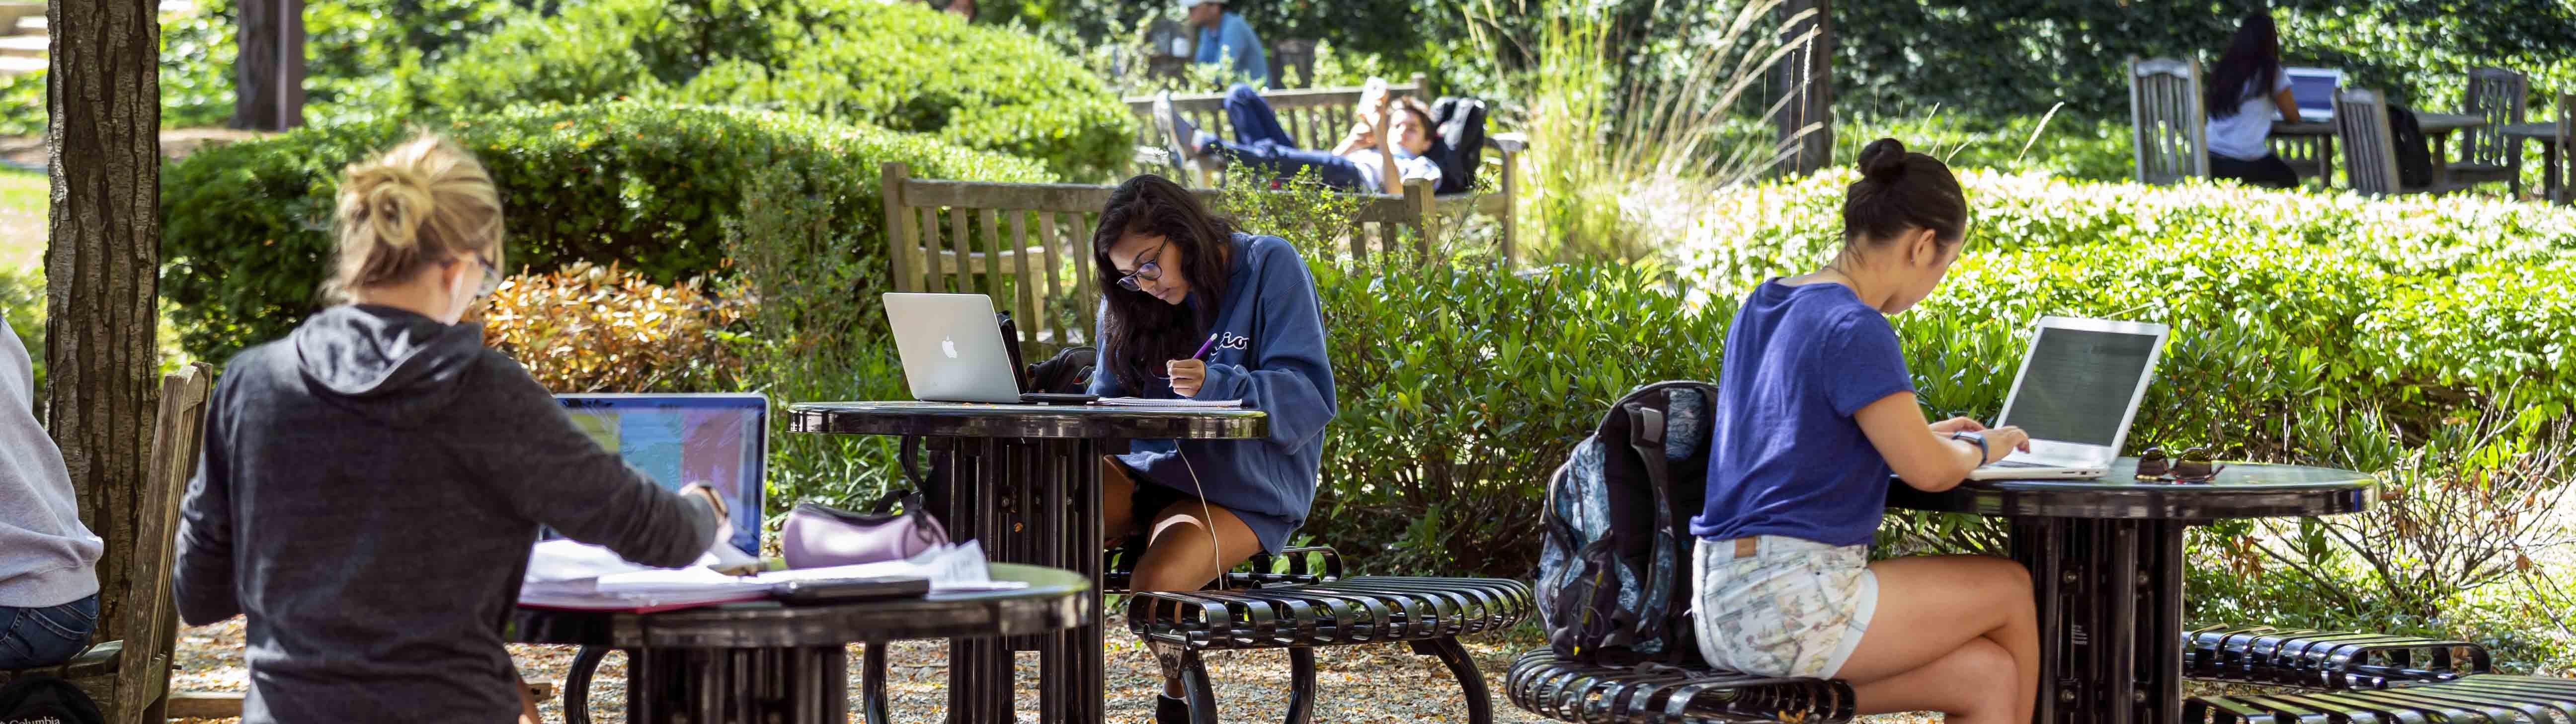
[[948, 345]]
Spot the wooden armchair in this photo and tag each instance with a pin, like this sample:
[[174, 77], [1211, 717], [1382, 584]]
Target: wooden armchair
[[130, 676], [2487, 155], [2168, 126]]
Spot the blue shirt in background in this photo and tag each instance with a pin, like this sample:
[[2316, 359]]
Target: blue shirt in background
[[1270, 355], [1233, 38], [1786, 457]]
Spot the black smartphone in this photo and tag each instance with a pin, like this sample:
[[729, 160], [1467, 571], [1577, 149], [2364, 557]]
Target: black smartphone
[[835, 590], [1051, 398]]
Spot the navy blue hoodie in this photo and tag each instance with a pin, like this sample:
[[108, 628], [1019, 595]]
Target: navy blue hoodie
[[1270, 354]]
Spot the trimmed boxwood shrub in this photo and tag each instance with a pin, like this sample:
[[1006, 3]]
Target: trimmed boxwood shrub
[[898, 65], [245, 227]]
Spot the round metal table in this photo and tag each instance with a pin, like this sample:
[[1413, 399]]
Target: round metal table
[[2106, 564], [774, 661], [1025, 481]]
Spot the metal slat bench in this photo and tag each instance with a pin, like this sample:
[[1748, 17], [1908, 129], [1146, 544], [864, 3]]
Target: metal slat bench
[[2327, 660], [1658, 694], [1304, 608], [2473, 699]]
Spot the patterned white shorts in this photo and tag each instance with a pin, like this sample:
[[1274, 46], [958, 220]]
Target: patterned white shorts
[[1774, 606]]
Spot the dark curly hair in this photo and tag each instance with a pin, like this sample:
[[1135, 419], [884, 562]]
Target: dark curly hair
[[1138, 332]]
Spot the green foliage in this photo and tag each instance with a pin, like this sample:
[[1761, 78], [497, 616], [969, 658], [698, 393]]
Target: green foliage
[[818, 336], [649, 187], [22, 305], [1461, 388], [354, 49], [898, 65], [2021, 58], [22, 104]]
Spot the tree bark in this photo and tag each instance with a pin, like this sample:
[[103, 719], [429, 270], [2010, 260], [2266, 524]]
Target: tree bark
[[1807, 79], [268, 86], [102, 264]]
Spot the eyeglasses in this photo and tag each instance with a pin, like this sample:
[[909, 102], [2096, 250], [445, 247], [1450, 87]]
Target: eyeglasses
[[491, 276], [2190, 466], [1146, 270]]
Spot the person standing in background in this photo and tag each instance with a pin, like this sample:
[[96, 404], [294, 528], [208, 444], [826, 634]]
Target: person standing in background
[[1224, 36]]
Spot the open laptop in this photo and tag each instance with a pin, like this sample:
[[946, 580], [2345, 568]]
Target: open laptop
[[952, 348], [676, 439], [2077, 391], [2314, 90]]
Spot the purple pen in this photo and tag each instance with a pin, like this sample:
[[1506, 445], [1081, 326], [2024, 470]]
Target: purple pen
[[1203, 348]]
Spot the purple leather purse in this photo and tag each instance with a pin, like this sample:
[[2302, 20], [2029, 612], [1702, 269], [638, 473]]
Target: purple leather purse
[[819, 536]]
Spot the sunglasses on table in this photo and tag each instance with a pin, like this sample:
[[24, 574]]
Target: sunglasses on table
[[2195, 465]]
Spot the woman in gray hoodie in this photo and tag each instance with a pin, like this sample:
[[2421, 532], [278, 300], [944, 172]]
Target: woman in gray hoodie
[[372, 483], [49, 579]]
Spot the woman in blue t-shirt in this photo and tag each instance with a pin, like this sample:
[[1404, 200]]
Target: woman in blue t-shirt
[[1820, 412], [2245, 87], [1176, 280]]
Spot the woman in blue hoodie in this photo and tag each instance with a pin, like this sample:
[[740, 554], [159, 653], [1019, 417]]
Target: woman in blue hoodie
[[1173, 278]]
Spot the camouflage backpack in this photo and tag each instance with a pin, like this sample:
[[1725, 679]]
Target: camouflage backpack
[[1613, 583]]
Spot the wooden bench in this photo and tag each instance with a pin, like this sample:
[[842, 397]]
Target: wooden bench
[[1655, 693], [1029, 245], [1311, 605], [130, 676], [1316, 117]]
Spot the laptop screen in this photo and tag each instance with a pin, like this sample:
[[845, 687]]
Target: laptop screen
[[2313, 88], [676, 439], [2079, 383]]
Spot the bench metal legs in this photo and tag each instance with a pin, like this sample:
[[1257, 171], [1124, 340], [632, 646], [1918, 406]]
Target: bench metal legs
[[1480, 705], [872, 684], [1301, 681], [1301, 685], [576, 691]]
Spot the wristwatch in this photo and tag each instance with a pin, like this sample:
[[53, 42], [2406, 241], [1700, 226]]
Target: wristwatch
[[1983, 454]]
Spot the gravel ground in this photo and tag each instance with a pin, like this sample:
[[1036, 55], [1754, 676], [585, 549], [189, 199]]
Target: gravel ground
[[1385, 683]]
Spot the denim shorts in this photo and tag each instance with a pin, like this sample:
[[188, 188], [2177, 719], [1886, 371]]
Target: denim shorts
[[33, 637], [1773, 606]]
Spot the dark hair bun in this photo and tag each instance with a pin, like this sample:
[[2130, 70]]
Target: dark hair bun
[[1883, 160]]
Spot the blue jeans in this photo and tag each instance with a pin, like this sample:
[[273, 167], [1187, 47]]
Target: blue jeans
[[33, 637], [1259, 142]]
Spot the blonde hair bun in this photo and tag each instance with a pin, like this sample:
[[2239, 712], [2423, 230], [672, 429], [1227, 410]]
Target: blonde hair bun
[[420, 203]]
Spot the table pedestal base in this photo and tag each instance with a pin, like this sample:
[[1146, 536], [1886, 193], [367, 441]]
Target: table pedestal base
[[1045, 497], [2102, 662], [802, 685]]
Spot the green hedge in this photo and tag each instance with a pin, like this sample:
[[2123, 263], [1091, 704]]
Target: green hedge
[[897, 65], [649, 187]]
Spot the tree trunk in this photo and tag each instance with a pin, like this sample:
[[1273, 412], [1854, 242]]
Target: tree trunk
[[102, 265], [268, 90], [1807, 80]]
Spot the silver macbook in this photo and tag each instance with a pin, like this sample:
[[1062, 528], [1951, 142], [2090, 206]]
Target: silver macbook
[[2077, 391], [2314, 89], [952, 348]]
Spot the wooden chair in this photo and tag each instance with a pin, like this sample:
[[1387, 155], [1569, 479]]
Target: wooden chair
[[130, 676], [1316, 118], [1029, 245], [2369, 150], [2486, 154], [2562, 167], [2169, 129]]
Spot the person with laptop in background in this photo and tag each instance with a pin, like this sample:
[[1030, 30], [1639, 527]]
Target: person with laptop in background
[[371, 485], [1192, 308], [1819, 412], [2244, 89]]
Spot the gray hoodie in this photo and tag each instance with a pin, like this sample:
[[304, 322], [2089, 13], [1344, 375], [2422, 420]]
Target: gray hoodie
[[370, 489], [52, 559]]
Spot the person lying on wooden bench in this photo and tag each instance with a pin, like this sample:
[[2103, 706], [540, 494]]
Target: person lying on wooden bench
[[379, 476], [1174, 279], [49, 581], [1820, 411], [1379, 153]]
